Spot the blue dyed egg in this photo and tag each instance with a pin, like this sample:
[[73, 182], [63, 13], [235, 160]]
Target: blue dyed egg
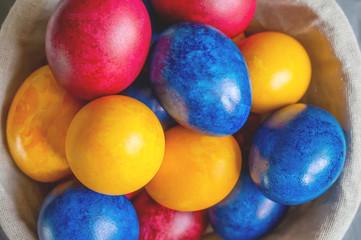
[[201, 79], [72, 211], [245, 213], [297, 154], [141, 90]]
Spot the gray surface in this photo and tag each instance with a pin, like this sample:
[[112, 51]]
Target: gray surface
[[352, 9], [4, 8]]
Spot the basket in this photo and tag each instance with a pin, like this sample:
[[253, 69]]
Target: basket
[[319, 25]]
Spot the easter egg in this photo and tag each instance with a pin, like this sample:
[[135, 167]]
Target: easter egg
[[197, 171], [279, 67], [201, 79], [98, 47], [72, 211], [161, 223], [231, 17], [245, 213], [297, 154], [141, 90], [37, 123], [115, 145]]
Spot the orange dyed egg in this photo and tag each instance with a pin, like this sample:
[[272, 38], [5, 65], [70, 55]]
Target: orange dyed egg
[[115, 145], [37, 124], [279, 67], [197, 171]]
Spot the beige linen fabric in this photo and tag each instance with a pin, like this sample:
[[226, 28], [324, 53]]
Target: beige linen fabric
[[319, 25]]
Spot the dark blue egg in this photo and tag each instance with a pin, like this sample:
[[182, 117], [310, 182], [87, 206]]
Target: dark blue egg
[[141, 90], [297, 154], [201, 79], [245, 213], [72, 211], [158, 24]]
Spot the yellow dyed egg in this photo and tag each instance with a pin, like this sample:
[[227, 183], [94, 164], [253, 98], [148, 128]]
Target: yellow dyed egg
[[279, 67], [197, 172], [115, 145], [37, 124]]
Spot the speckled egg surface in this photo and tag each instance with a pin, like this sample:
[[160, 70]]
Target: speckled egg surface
[[201, 79], [72, 211], [231, 17], [297, 154], [161, 223], [97, 48], [245, 213]]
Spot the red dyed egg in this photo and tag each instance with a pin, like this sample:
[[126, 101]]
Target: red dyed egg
[[231, 17], [98, 47], [161, 223]]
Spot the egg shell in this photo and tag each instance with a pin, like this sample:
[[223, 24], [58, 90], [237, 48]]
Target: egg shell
[[231, 17], [279, 67], [201, 79], [72, 211], [37, 123], [161, 223], [197, 171], [97, 48], [141, 90], [245, 213], [115, 145], [297, 154]]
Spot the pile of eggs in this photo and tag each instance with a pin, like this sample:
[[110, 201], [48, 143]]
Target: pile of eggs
[[151, 107]]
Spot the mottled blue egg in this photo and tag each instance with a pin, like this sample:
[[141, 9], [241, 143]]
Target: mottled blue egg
[[245, 213], [158, 24], [141, 90], [201, 79], [297, 154], [72, 211]]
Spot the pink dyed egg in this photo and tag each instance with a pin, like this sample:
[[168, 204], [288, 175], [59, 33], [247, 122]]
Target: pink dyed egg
[[161, 223], [98, 47], [232, 17]]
